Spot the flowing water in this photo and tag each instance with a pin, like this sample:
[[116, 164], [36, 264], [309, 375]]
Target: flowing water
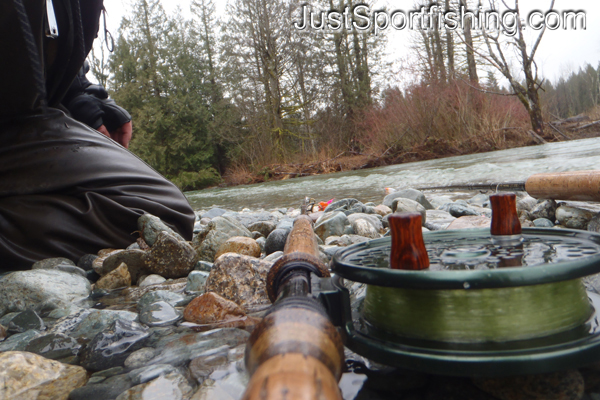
[[368, 185]]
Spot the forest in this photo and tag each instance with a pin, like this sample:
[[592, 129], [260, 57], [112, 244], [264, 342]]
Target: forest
[[247, 97]]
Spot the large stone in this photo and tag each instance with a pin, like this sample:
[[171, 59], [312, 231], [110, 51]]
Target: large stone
[[249, 218], [411, 194], [573, 218], [459, 210], [41, 289], [373, 219], [345, 205], [240, 245], [263, 227], [470, 222], [117, 278], [331, 224], [196, 281], [113, 345], [159, 313], [382, 210], [218, 231], [276, 241], [594, 224], [544, 209], [211, 308], [151, 226], [527, 203], [109, 388], [213, 212], [54, 346], [172, 386], [28, 376], [170, 257], [565, 385], [401, 204], [134, 259], [51, 263], [85, 324], [362, 227], [240, 279]]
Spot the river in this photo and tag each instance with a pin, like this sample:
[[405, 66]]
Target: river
[[369, 184]]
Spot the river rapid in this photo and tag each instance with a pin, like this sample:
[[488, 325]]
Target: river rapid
[[369, 184]]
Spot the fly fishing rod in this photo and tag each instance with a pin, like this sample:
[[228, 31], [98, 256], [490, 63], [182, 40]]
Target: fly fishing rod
[[295, 353], [575, 185]]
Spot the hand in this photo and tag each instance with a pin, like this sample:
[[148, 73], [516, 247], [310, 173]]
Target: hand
[[122, 135]]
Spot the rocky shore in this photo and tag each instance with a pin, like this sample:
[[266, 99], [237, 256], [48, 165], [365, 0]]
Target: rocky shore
[[169, 319]]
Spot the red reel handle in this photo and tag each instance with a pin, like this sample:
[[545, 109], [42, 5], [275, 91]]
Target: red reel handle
[[505, 221], [408, 248]]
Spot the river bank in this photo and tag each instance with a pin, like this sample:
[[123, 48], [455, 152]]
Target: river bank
[[172, 317], [578, 128]]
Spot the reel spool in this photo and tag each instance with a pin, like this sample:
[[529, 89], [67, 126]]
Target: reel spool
[[488, 305]]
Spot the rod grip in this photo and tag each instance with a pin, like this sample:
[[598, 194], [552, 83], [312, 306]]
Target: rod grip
[[302, 238], [574, 185]]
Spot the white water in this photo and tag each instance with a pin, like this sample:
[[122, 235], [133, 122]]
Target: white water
[[368, 185]]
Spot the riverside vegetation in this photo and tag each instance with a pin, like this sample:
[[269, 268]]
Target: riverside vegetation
[[172, 317], [246, 97]]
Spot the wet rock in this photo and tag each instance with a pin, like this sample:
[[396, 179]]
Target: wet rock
[[174, 299], [223, 384], [150, 228], [117, 278], [177, 350], [438, 220], [86, 260], [345, 205], [543, 223], [382, 210], [201, 367], [110, 388], [196, 281], [113, 345], [544, 209], [134, 294], [140, 358], [60, 264], [286, 223], [173, 386], [264, 227], [213, 212], [29, 376], [401, 204], [470, 222], [25, 321], [459, 210], [170, 258], [41, 289], [410, 194], [362, 227], [149, 372], [273, 256], [3, 333], [573, 218], [151, 279], [276, 241], [218, 231], [160, 313], [479, 199], [372, 219], [203, 266], [54, 346], [345, 240], [211, 308], [85, 324], [50, 263], [240, 279], [134, 259], [567, 385], [331, 224], [240, 245], [526, 203], [18, 341], [247, 219]]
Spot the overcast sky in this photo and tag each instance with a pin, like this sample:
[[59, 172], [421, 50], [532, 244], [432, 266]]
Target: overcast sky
[[560, 52]]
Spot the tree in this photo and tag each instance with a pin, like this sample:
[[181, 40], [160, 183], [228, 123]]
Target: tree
[[159, 75], [496, 44]]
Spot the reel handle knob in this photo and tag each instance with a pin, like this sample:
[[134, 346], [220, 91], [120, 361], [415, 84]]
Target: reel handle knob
[[408, 248], [505, 220]]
